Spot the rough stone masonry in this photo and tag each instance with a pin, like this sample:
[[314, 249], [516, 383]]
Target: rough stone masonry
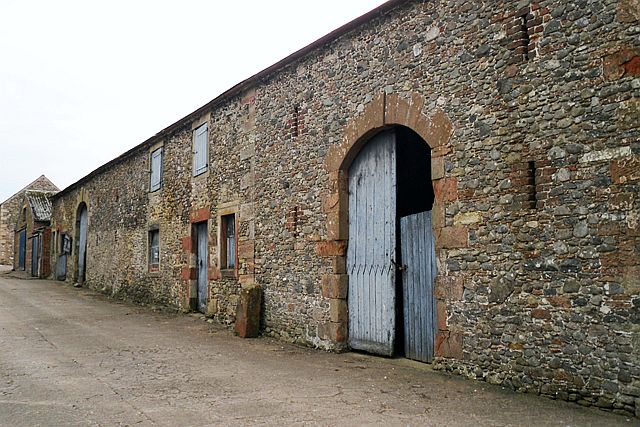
[[530, 111]]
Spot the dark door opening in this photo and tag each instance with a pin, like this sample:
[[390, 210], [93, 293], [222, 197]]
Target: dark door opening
[[414, 195]]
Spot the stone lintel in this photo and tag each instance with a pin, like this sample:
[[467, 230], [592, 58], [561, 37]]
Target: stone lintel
[[200, 215]]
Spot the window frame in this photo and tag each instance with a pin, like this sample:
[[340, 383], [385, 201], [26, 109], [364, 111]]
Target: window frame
[[202, 129], [153, 267], [158, 186], [225, 268]]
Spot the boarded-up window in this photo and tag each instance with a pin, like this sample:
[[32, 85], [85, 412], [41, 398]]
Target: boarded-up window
[[228, 243], [156, 170], [154, 250], [200, 150]]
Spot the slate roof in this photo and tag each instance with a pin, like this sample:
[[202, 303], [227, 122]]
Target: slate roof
[[40, 204]]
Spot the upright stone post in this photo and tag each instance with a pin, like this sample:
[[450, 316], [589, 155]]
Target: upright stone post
[[248, 312]]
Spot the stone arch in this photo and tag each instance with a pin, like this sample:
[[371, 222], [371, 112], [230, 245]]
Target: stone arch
[[82, 204], [385, 110]]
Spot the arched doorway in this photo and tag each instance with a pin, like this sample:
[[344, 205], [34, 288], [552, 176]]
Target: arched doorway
[[390, 251], [82, 220]]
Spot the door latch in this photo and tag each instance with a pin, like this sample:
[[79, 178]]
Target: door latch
[[402, 267]]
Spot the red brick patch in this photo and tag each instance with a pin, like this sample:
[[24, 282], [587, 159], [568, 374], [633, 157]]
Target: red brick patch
[[625, 170], [625, 61]]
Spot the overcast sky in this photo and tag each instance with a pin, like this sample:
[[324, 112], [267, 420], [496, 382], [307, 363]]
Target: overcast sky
[[81, 82]]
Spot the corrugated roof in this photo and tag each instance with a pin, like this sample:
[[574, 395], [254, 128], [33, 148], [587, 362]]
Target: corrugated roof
[[40, 204]]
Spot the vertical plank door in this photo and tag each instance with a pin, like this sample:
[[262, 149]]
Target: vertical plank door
[[35, 251], [418, 256], [371, 247], [203, 265]]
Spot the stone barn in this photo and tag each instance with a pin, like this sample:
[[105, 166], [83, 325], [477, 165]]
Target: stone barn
[[10, 211], [454, 182], [32, 234]]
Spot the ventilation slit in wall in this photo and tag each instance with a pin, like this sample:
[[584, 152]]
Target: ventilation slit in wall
[[524, 33], [531, 184], [295, 126]]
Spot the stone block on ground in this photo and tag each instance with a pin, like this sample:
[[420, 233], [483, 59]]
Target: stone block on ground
[[248, 312]]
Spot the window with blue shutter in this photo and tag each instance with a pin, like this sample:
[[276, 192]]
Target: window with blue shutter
[[200, 150], [156, 170]]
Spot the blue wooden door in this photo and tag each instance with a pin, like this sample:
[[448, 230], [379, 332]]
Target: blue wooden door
[[202, 257], [418, 256], [372, 246], [61, 267], [82, 245], [22, 249], [35, 255]]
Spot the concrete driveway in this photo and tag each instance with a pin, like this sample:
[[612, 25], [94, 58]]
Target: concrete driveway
[[72, 357]]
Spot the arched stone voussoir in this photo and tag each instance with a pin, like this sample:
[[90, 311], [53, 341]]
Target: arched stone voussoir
[[388, 110]]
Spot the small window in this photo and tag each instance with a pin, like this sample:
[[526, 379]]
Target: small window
[[228, 242], [156, 170], [65, 241], [200, 150], [154, 250]]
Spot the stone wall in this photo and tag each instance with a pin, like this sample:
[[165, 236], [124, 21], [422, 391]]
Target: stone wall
[[10, 210], [531, 113]]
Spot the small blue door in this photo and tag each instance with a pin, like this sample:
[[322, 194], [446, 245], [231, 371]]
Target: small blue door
[[22, 249], [202, 256], [35, 255]]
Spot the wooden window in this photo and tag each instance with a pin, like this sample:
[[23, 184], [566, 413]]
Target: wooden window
[[156, 170], [200, 150], [154, 250], [228, 252]]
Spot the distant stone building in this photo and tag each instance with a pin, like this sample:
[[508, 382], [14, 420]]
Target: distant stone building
[[32, 242], [451, 181], [10, 211]]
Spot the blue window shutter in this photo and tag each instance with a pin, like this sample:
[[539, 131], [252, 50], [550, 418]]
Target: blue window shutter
[[156, 170], [200, 145]]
